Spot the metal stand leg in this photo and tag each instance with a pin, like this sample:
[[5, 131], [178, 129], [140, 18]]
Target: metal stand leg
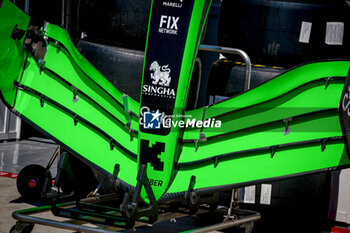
[[229, 212], [130, 210], [48, 174], [62, 166], [191, 197], [54, 156]]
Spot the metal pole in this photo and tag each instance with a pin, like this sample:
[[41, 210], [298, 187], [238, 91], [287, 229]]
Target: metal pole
[[63, 8], [67, 15], [26, 6], [24, 216], [53, 223], [229, 224]]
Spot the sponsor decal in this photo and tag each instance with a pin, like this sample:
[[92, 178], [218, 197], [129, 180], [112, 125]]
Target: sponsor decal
[[158, 91], [168, 31], [150, 155], [155, 182], [160, 76], [176, 4], [168, 24]]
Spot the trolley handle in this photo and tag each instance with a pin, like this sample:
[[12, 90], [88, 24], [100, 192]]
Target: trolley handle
[[244, 56]]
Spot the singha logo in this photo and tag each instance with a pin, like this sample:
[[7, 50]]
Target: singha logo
[[161, 74]]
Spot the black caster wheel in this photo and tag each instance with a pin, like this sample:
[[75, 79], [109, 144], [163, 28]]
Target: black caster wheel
[[30, 182], [193, 210], [213, 206], [129, 223], [129, 214], [21, 227], [152, 219]]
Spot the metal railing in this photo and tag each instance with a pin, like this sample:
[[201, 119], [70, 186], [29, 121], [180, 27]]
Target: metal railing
[[241, 53]]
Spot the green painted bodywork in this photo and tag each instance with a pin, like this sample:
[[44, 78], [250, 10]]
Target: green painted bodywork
[[12, 53], [251, 120]]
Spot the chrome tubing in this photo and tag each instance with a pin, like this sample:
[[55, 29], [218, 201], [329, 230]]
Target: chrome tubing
[[241, 53], [24, 216], [229, 224]]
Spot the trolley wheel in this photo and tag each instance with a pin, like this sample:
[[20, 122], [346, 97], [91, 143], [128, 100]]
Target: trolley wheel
[[30, 181], [193, 210], [22, 227], [152, 219], [129, 223], [213, 206]]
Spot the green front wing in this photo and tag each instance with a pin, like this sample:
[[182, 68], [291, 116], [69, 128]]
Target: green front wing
[[72, 102], [285, 127]]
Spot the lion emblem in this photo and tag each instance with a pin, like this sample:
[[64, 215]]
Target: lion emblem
[[161, 74]]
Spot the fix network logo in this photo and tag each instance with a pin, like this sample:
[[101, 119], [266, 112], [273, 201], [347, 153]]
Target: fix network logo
[[168, 24], [152, 120]]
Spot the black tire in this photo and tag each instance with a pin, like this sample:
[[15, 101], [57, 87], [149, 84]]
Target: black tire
[[192, 210], [121, 22], [193, 92], [41, 12], [122, 67], [227, 78], [152, 219], [270, 31], [213, 206], [78, 178], [30, 182], [129, 223]]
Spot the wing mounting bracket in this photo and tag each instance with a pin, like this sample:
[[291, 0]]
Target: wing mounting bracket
[[202, 137], [128, 115]]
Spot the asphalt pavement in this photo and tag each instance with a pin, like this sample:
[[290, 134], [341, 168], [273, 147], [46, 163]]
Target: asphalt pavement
[[14, 155]]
